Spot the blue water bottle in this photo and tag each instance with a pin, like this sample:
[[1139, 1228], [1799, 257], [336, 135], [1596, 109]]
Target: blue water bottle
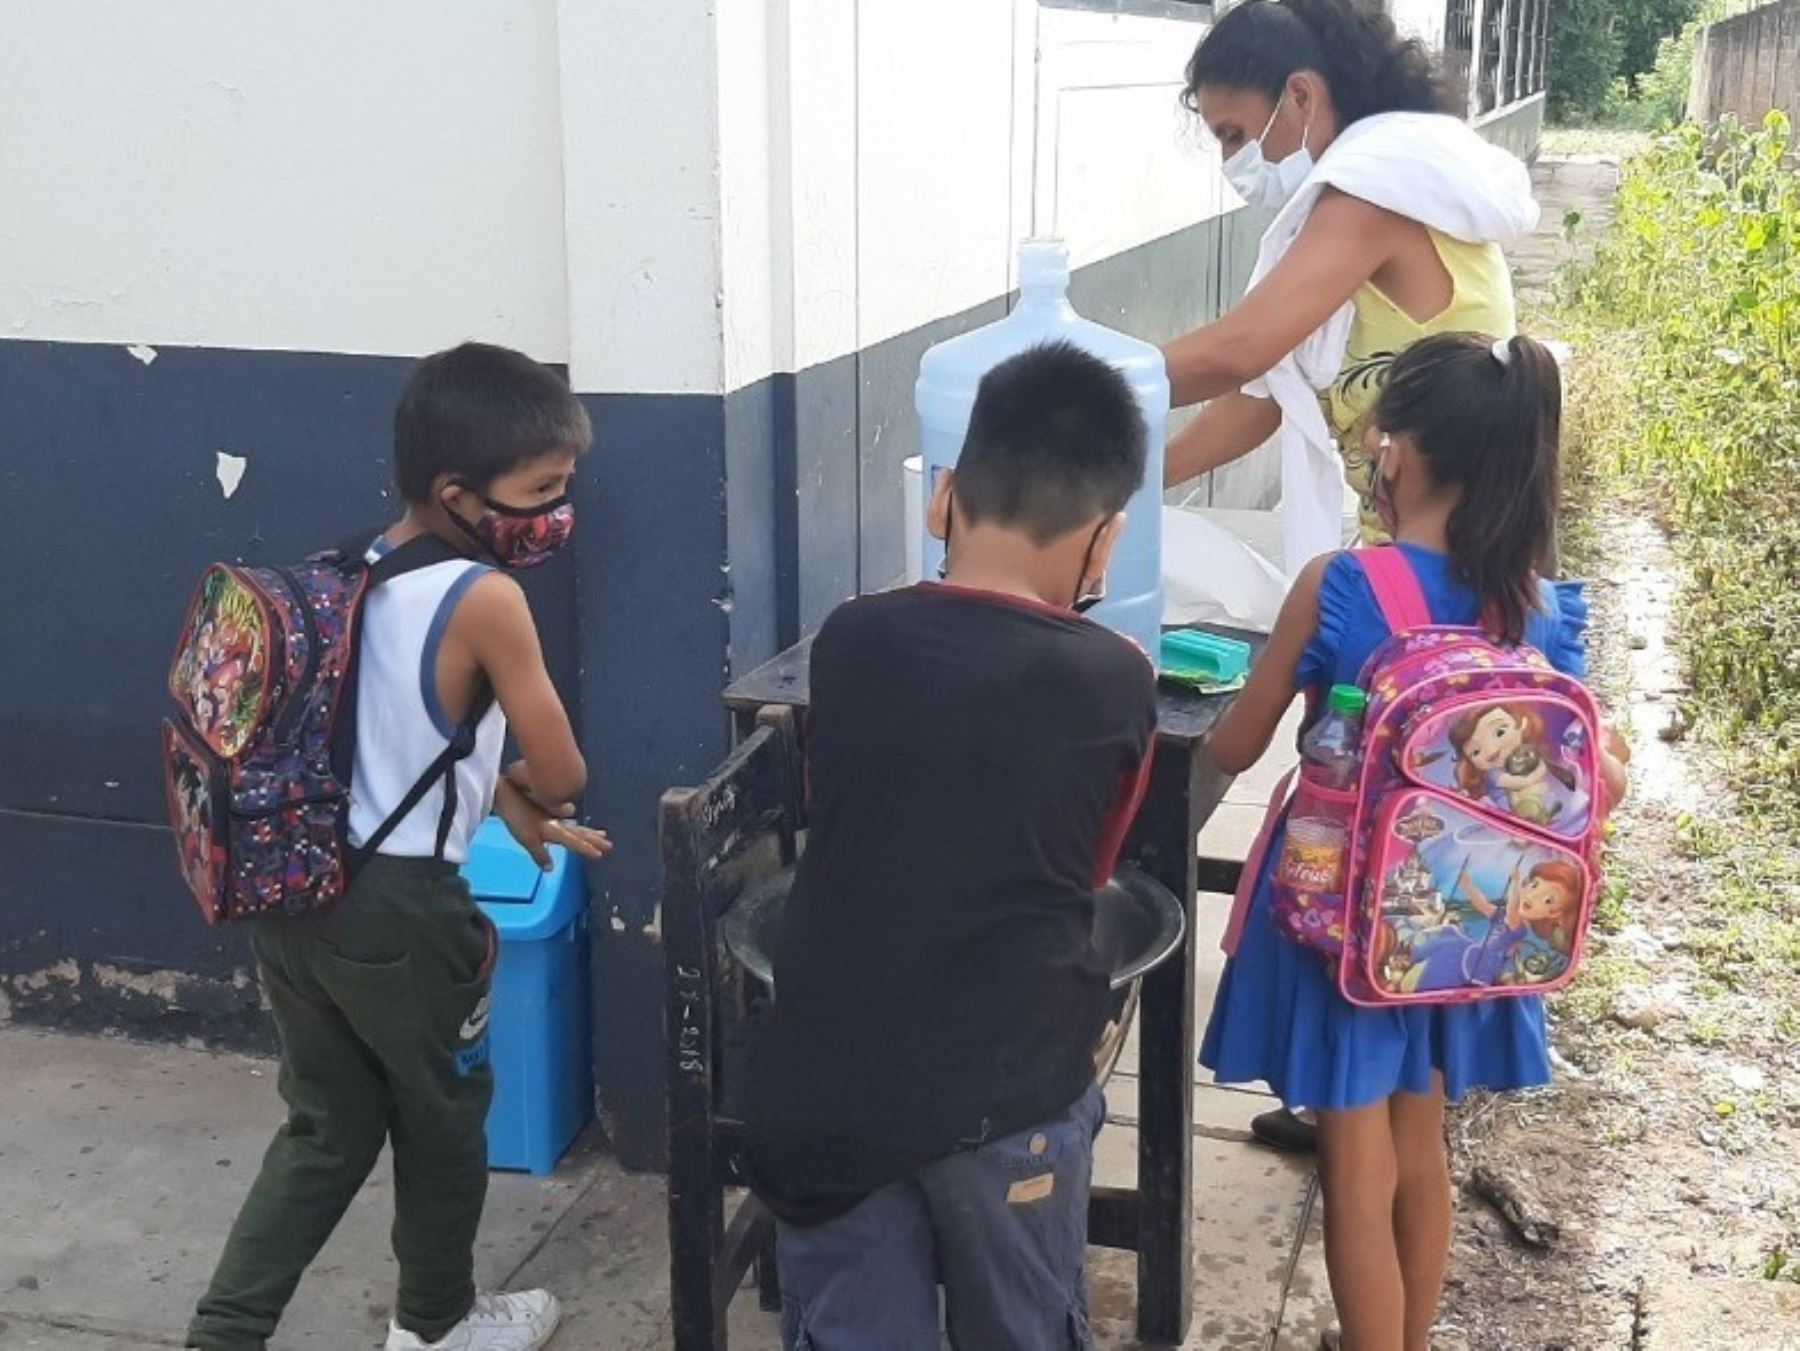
[[951, 372]]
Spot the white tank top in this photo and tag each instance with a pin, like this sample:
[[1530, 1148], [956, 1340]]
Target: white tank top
[[400, 725]]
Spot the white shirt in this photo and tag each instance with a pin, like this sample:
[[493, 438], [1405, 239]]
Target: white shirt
[[400, 725]]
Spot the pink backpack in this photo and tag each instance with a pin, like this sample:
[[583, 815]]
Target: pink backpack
[[1473, 853]]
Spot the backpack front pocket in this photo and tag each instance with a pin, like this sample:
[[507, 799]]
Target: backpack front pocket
[[287, 859], [1459, 903], [1519, 754], [197, 789], [225, 672]]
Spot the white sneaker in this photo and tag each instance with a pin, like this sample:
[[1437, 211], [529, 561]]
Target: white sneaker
[[521, 1322]]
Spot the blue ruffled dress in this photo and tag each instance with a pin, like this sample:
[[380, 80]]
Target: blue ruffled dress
[[1279, 1017]]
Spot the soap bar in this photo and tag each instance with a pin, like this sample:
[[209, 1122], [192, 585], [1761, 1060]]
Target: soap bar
[[1190, 654]]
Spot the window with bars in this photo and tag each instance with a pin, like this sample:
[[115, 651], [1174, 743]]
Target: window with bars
[[1511, 57], [1459, 48], [1487, 81]]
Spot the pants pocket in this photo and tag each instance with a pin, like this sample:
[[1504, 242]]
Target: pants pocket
[[488, 938], [380, 999]]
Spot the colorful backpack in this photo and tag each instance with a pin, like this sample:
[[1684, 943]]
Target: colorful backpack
[[1473, 850], [259, 753]]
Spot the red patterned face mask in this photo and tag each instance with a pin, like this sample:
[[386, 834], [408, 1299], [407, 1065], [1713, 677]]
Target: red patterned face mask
[[520, 537]]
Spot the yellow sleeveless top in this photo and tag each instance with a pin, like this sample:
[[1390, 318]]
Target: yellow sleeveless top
[[1481, 301]]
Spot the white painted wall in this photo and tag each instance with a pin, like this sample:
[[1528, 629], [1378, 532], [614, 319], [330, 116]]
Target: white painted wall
[[935, 137], [1035, 121], [674, 197], [640, 149], [755, 164], [1422, 19], [1119, 161], [344, 177], [881, 159]]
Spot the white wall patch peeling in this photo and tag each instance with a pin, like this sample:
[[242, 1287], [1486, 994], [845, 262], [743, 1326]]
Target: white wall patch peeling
[[231, 472]]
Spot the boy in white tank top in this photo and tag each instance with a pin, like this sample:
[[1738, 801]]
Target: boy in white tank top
[[382, 1002]]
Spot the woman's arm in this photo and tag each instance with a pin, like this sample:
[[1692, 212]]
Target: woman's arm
[[1343, 244], [1243, 734], [1227, 429]]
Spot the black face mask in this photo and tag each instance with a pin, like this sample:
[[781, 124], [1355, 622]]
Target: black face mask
[[1085, 602]]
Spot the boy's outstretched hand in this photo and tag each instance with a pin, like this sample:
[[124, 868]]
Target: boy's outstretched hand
[[537, 827]]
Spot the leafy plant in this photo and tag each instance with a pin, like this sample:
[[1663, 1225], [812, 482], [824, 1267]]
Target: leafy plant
[[1586, 51], [1647, 87], [1687, 321]]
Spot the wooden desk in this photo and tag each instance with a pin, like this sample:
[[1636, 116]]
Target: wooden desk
[[1154, 1219]]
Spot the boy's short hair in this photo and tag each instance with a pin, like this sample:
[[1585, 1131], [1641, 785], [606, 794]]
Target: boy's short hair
[[1056, 440], [476, 412]]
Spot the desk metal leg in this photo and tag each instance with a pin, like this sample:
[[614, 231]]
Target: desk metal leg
[[1163, 846]]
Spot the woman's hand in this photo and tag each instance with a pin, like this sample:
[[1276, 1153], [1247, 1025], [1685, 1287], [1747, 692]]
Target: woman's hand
[[536, 827]]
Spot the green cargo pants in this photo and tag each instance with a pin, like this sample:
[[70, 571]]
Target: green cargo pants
[[382, 1007]]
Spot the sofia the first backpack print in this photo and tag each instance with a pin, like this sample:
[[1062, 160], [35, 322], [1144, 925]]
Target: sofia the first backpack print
[[1467, 859], [259, 753]]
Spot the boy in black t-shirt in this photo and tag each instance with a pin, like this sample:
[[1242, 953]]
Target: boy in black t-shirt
[[925, 1100]]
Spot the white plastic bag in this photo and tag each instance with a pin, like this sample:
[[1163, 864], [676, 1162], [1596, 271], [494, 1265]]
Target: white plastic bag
[[1214, 575]]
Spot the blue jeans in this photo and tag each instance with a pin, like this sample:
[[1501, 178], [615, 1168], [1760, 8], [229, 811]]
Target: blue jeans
[[1003, 1228]]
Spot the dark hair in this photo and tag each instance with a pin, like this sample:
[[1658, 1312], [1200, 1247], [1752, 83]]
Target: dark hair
[[1492, 429], [1352, 44], [1056, 439], [476, 412]]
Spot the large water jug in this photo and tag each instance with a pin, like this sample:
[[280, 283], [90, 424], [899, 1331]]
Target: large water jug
[[951, 372]]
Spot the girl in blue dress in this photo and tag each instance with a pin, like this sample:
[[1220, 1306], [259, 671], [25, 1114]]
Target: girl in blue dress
[[1464, 443]]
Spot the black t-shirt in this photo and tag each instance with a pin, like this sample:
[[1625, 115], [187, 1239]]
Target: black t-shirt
[[973, 763]]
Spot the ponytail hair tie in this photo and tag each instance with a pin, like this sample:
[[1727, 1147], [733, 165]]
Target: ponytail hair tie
[[1502, 350]]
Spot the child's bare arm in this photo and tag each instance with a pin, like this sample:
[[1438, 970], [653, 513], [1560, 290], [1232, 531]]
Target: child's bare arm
[[537, 827], [1615, 775], [494, 623], [1244, 733]]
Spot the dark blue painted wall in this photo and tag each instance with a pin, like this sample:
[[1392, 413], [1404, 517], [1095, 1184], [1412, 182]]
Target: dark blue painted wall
[[108, 467], [113, 507]]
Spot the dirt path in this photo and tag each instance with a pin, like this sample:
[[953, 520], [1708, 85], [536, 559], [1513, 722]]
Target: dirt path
[[1654, 1190]]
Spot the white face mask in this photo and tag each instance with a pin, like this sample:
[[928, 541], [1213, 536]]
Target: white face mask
[[1266, 185]]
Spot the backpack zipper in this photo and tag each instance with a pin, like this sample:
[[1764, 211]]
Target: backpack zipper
[[284, 725], [310, 800]]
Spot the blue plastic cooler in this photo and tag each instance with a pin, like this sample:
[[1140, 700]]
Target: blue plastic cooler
[[538, 1029]]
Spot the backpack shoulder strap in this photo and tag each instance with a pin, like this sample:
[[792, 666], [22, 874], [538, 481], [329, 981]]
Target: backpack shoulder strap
[[390, 562], [1396, 586], [422, 552], [441, 770], [1253, 864]]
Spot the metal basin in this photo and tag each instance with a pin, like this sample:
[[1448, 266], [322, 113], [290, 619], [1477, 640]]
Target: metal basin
[[1138, 925]]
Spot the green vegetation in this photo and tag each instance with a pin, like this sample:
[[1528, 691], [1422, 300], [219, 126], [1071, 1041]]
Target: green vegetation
[[1687, 394], [1694, 297], [1628, 63]]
